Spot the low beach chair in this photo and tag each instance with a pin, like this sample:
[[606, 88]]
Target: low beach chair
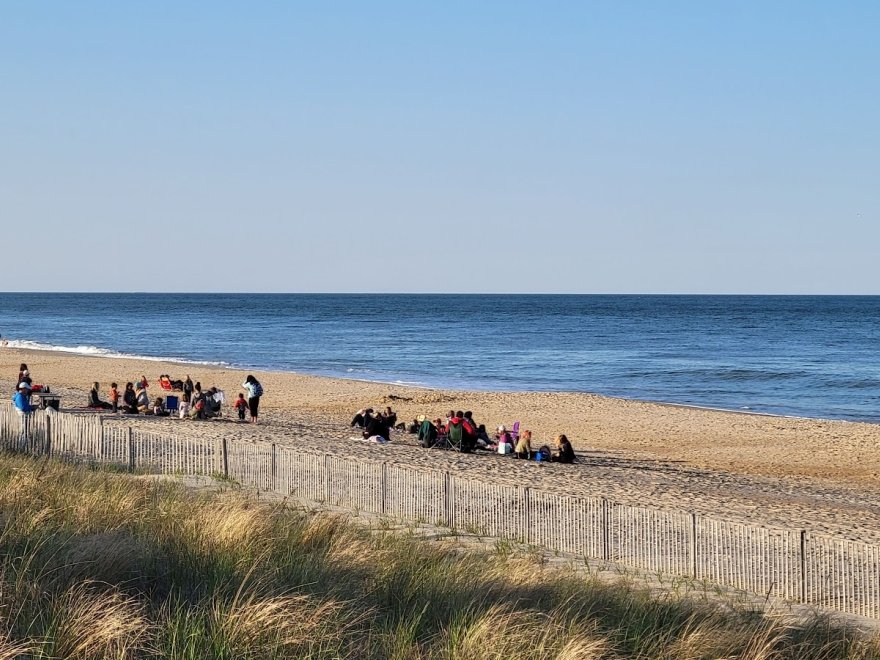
[[172, 404]]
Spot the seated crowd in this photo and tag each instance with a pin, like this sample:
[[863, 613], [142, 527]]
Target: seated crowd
[[194, 403], [459, 431]]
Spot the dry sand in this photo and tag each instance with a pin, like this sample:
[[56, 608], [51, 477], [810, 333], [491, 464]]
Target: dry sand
[[816, 474]]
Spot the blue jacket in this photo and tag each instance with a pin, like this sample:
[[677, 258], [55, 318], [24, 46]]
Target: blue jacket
[[21, 402]]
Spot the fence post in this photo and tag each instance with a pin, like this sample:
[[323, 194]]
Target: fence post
[[327, 478], [526, 517], [130, 450], [606, 531], [694, 545], [803, 558], [100, 451], [447, 501], [384, 486], [272, 465], [224, 455], [48, 435]]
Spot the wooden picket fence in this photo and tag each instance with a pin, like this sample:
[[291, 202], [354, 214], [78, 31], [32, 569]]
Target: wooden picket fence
[[795, 565]]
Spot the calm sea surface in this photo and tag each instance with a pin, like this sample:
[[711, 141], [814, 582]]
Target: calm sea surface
[[796, 355]]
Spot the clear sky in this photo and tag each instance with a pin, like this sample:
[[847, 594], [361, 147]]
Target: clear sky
[[584, 147]]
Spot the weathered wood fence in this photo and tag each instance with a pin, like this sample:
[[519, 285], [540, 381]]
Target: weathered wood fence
[[795, 565]]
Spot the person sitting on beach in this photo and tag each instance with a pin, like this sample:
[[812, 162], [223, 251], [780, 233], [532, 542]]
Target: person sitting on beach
[[378, 426], [503, 440], [166, 383], [564, 452], [129, 400], [390, 417], [142, 398], [470, 429], [159, 407], [213, 402], [21, 399], [427, 437], [483, 439], [198, 403], [457, 435], [95, 400], [524, 445], [362, 417]]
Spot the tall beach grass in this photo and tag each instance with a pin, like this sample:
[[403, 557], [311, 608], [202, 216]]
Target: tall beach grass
[[103, 565]]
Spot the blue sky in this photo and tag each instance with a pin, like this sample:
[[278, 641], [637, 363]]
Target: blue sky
[[595, 147]]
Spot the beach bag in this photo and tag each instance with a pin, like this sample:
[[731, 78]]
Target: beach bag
[[505, 448], [258, 389], [543, 453]]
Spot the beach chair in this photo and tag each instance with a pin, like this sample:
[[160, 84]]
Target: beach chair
[[514, 432], [456, 438], [172, 404]]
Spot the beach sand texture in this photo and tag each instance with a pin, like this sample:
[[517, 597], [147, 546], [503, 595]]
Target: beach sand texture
[[819, 475]]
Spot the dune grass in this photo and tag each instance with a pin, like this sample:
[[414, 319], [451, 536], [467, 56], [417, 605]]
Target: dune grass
[[103, 565]]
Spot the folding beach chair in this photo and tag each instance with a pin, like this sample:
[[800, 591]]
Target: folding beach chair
[[514, 432], [172, 404]]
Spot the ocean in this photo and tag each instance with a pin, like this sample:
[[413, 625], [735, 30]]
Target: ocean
[[809, 356]]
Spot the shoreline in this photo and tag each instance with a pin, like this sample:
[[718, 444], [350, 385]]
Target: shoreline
[[15, 345]]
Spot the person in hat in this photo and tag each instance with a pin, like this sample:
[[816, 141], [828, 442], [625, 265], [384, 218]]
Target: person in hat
[[22, 399]]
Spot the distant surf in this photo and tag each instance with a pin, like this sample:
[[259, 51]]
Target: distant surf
[[95, 351]]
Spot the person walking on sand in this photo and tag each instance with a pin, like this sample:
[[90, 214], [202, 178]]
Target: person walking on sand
[[255, 391]]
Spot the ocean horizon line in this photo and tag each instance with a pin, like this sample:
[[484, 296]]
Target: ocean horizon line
[[655, 294]]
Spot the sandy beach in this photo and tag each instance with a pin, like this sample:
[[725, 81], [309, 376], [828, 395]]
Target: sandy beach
[[820, 475]]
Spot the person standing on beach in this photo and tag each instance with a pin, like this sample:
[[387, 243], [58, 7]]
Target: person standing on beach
[[187, 389], [255, 391], [114, 396]]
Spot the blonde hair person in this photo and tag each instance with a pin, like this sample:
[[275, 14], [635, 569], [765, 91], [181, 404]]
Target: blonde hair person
[[564, 452], [524, 445]]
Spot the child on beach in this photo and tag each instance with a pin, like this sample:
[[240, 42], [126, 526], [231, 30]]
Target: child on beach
[[114, 397], [241, 405]]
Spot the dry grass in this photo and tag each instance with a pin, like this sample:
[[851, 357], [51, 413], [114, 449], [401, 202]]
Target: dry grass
[[98, 565]]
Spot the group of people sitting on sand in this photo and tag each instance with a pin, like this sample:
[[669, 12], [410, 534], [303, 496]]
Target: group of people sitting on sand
[[195, 403], [459, 431], [376, 425], [134, 400]]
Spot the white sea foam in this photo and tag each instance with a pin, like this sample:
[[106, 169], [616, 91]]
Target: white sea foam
[[95, 351]]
